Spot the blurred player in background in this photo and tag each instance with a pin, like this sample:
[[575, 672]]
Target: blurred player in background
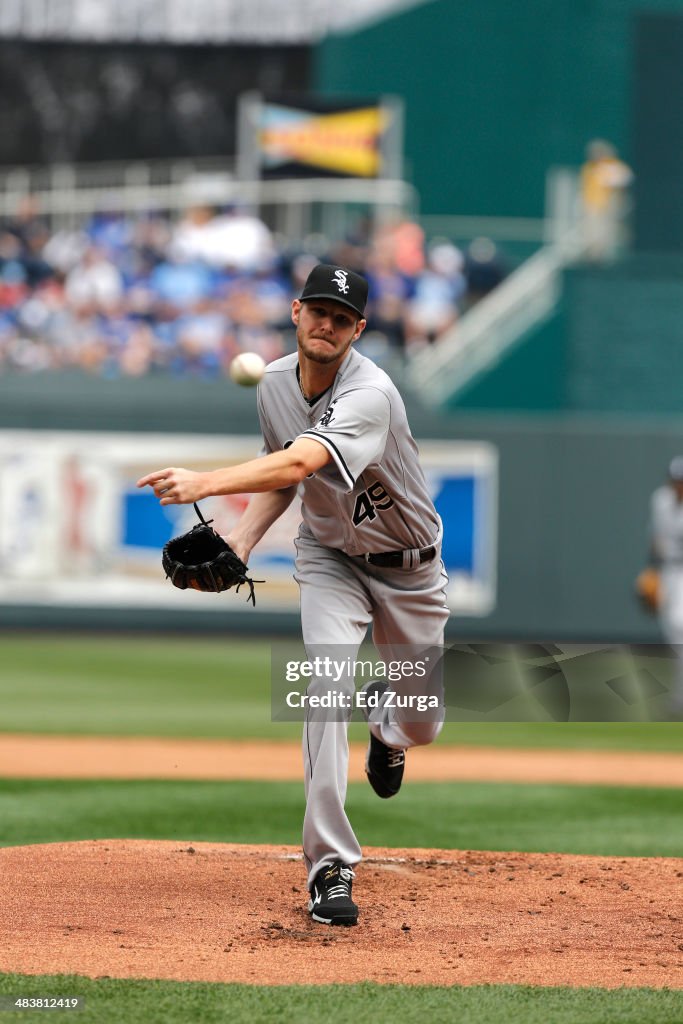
[[666, 554]]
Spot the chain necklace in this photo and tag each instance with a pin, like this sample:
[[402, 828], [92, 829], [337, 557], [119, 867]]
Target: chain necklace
[[301, 387], [314, 398]]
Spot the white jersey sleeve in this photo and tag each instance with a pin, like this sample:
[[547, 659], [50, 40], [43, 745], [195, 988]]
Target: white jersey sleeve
[[270, 443], [354, 430]]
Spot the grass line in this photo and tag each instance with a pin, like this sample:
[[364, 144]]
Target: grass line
[[471, 816], [112, 1001]]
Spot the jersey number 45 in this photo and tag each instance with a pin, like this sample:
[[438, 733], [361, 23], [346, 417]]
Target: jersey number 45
[[368, 503]]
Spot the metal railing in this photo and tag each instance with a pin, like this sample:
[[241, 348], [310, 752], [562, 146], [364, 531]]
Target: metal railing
[[66, 194], [485, 333], [500, 229]]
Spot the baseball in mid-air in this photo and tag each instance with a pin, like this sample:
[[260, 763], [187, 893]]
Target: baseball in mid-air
[[247, 369]]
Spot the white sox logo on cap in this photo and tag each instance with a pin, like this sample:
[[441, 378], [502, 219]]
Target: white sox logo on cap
[[340, 280], [328, 281]]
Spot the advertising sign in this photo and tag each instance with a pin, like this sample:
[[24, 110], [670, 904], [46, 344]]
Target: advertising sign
[[75, 530], [313, 137]]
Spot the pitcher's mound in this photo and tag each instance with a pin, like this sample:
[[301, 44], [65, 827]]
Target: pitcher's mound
[[210, 912]]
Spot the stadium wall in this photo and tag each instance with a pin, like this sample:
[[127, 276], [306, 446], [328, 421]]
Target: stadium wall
[[531, 377], [572, 507], [611, 347], [495, 93], [624, 326]]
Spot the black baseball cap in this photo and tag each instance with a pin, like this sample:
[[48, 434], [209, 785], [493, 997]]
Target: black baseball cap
[[327, 281]]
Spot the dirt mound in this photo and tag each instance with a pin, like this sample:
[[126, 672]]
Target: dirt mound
[[210, 912]]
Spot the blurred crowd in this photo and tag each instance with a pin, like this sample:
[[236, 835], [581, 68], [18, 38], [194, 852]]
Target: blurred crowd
[[127, 296]]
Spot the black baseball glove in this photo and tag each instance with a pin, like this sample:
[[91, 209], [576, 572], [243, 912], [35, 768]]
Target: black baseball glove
[[202, 560]]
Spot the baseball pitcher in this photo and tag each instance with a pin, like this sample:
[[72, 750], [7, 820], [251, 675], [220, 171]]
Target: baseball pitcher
[[368, 552]]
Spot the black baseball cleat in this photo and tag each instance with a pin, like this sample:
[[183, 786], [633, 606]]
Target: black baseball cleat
[[384, 765], [330, 901]]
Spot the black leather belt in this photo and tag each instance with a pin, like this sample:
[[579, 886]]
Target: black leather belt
[[394, 559]]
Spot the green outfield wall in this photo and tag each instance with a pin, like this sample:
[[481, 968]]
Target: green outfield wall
[[495, 93], [530, 377], [614, 345]]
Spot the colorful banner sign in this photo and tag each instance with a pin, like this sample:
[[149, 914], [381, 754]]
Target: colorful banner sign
[[348, 142]]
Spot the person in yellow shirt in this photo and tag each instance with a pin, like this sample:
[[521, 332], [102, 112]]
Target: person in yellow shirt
[[604, 183]]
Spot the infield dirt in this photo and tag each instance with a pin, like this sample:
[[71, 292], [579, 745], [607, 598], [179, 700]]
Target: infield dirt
[[111, 757], [210, 912], [222, 912]]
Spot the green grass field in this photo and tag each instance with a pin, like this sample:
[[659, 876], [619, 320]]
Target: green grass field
[[470, 816], [221, 688], [157, 1002]]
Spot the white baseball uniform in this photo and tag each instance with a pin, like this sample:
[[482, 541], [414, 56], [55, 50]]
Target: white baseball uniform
[[370, 498], [666, 534]]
